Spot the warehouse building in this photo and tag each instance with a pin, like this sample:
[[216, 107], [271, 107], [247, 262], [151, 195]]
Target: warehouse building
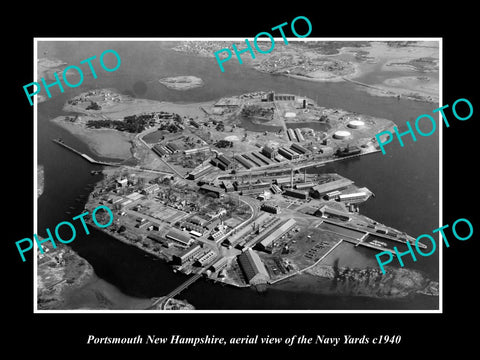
[[205, 258], [298, 133], [247, 164], [269, 152], [216, 191], [288, 154], [285, 227], [299, 149], [179, 237], [219, 264], [253, 267], [299, 194], [187, 255], [322, 189]]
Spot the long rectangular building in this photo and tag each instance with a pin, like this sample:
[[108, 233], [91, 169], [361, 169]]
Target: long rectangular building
[[212, 190], [187, 255], [252, 159], [299, 149], [253, 267], [179, 237], [322, 189], [299, 135], [288, 154], [291, 135], [247, 164], [276, 234], [219, 264], [262, 158]]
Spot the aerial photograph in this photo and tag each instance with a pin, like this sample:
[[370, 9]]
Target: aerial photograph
[[259, 188]]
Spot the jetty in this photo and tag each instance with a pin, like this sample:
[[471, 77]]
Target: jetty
[[59, 141]]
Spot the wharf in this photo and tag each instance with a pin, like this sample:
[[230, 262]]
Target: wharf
[[85, 156], [374, 233]]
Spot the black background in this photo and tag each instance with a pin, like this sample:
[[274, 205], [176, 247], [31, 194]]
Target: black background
[[431, 334]]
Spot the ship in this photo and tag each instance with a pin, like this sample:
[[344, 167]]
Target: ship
[[378, 243], [348, 151]]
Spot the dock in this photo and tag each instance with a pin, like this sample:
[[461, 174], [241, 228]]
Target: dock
[[85, 156], [366, 244]]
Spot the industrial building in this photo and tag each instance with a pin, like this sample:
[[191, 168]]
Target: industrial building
[[328, 212], [187, 255], [228, 186], [200, 171], [361, 195], [319, 190], [299, 149], [206, 258], [288, 154], [173, 148], [299, 135], [196, 150], [271, 208], [299, 194], [262, 158], [179, 237], [285, 227], [283, 97], [159, 240], [252, 159], [269, 152], [253, 267], [247, 164], [305, 185], [219, 264], [151, 189], [291, 135], [332, 195], [222, 162], [214, 190], [160, 151], [217, 235]]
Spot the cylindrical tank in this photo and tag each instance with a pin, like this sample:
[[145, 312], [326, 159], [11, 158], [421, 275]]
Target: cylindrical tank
[[356, 124], [341, 134]]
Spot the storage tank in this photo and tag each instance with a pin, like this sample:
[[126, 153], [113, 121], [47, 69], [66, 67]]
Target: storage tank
[[341, 134], [356, 124]]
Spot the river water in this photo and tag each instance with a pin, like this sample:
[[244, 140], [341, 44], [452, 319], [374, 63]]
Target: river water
[[405, 180]]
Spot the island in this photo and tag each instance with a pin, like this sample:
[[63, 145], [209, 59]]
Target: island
[[182, 82], [219, 190], [345, 61]]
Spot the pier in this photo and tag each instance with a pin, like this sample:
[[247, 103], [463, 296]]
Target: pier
[[85, 156]]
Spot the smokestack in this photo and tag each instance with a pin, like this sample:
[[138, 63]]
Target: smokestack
[[304, 175], [291, 179]]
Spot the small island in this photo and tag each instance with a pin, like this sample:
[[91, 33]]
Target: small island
[[182, 82]]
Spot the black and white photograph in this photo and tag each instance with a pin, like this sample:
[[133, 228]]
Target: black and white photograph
[[266, 185]]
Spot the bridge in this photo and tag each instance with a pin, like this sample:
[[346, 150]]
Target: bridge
[[163, 300]]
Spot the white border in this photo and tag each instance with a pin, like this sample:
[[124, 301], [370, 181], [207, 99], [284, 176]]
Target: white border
[[35, 202]]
